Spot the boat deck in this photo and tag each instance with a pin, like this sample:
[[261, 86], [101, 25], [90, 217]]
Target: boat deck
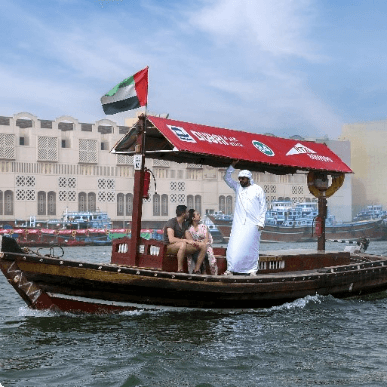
[[297, 252]]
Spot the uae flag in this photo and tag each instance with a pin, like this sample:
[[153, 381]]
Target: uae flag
[[129, 94]]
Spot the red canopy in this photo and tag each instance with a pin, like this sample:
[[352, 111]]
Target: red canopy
[[200, 144]]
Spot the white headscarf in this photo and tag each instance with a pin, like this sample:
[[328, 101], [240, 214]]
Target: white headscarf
[[248, 174]]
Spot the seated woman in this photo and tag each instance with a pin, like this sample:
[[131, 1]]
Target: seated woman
[[200, 232], [175, 237]]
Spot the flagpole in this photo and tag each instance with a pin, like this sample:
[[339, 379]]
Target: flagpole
[[138, 189]]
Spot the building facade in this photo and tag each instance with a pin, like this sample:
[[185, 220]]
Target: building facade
[[368, 161], [48, 167]]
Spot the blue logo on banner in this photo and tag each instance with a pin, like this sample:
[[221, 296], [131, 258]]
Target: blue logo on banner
[[181, 133]]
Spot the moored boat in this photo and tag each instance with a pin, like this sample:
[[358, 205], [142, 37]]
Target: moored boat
[[141, 274], [41, 237], [288, 222]]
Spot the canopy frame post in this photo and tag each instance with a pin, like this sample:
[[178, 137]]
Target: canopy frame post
[[322, 213], [138, 191]]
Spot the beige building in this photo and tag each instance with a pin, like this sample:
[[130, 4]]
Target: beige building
[[50, 166], [368, 161], [340, 204]]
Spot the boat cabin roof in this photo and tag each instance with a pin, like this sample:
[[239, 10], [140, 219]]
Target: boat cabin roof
[[185, 142]]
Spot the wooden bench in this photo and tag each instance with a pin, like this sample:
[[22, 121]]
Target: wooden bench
[[152, 255]]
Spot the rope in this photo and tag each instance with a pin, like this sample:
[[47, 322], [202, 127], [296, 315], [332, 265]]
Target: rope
[[342, 241], [51, 253], [154, 179], [362, 242]]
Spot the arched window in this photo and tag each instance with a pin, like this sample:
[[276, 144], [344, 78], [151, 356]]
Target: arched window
[[229, 205], [190, 201], [8, 203], [91, 202], [1, 202], [129, 204], [156, 205], [120, 204], [51, 200], [164, 205], [198, 203], [42, 203], [82, 202], [222, 204]]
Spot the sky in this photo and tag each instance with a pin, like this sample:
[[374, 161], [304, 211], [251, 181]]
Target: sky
[[286, 67]]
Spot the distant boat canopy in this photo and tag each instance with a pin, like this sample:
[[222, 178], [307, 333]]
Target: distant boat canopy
[[185, 142]]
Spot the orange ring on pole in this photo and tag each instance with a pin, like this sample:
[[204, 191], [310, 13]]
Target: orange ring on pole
[[337, 182]]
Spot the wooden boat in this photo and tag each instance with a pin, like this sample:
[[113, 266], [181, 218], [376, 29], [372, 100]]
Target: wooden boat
[[141, 274]]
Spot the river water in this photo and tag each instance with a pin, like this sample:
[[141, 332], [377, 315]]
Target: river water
[[312, 341]]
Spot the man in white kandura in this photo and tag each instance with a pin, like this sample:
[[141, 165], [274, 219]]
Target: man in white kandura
[[249, 220]]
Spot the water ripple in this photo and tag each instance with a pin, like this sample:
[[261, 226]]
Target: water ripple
[[316, 340]]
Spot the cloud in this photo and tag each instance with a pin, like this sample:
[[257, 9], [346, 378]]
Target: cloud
[[242, 64], [278, 27], [44, 97], [271, 55]]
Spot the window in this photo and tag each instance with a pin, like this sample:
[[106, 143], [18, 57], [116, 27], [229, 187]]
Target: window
[[190, 201], [198, 203], [297, 190], [104, 146], [88, 151], [120, 204], [21, 140], [51, 199], [129, 204], [164, 205], [222, 203], [229, 205], [41, 203], [269, 189], [91, 202], [65, 143], [8, 202], [47, 148], [124, 159], [82, 202], [161, 163], [7, 146], [156, 205]]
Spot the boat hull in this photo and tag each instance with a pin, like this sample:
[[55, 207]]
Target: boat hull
[[50, 283]]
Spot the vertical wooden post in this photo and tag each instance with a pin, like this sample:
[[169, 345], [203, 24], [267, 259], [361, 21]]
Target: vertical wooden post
[[322, 213], [138, 191]]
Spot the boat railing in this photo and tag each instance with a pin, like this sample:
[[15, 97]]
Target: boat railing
[[271, 265], [290, 261], [151, 255]]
